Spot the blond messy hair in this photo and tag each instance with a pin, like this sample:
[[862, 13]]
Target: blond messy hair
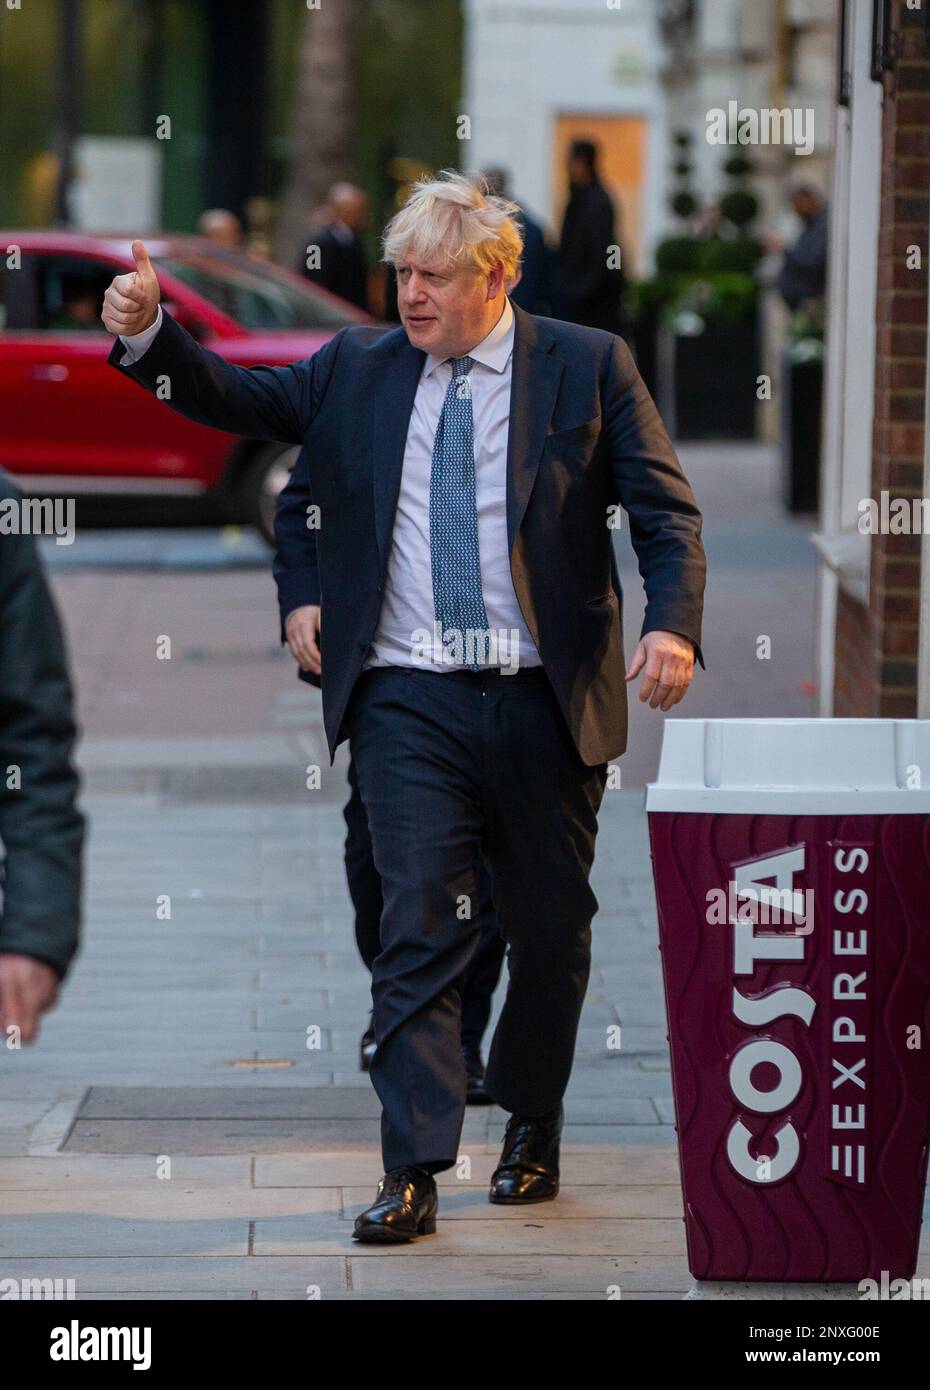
[[454, 216]]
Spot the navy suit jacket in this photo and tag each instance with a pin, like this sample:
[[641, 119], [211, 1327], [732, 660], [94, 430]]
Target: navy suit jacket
[[296, 565], [584, 435]]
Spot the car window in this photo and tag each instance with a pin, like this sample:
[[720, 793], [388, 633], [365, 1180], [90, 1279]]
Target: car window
[[254, 298], [69, 293]]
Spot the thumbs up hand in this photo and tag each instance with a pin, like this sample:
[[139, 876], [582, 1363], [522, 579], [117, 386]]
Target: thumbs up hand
[[130, 305]]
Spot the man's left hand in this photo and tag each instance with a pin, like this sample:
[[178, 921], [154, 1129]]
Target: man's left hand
[[669, 662]]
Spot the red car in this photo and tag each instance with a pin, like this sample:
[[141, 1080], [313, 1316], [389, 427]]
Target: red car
[[69, 423]]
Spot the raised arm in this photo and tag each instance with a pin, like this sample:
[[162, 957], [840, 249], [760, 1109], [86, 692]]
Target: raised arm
[[274, 403]]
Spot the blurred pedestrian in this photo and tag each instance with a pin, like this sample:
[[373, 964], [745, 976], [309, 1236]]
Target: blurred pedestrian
[[223, 227], [40, 826], [803, 274], [589, 286], [533, 291], [343, 262]]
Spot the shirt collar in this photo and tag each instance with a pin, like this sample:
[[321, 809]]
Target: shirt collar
[[494, 351]]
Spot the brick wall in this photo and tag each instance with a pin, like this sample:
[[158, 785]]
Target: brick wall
[[876, 648]]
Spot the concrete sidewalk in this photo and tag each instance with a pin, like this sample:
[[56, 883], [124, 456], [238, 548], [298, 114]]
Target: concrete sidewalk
[[181, 1047], [192, 1122]]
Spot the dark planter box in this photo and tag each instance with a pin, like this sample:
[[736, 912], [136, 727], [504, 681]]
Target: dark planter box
[[801, 399], [707, 383]]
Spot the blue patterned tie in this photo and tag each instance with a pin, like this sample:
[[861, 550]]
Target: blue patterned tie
[[453, 522]]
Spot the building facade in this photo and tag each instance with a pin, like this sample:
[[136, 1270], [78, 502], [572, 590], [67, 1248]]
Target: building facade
[[874, 602], [539, 73]]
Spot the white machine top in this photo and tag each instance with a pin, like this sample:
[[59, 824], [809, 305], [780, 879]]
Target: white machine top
[[798, 767]]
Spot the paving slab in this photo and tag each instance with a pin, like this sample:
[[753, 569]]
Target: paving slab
[[185, 1277], [636, 1166], [515, 1233]]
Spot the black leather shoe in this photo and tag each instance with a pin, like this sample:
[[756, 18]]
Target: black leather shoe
[[405, 1206], [529, 1166], [476, 1094], [367, 1046]]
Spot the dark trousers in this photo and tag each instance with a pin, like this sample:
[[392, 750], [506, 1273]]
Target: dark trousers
[[450, 765], [364, 881]]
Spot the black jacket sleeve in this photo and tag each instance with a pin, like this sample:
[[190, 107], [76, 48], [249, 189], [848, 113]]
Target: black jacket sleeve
[[295, 567], [665, 523], [40, 826], [274, 403]]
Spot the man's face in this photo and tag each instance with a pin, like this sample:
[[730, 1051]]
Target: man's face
[[447, 310]]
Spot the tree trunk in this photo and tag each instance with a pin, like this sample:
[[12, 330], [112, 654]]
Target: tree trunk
[[324, 117]]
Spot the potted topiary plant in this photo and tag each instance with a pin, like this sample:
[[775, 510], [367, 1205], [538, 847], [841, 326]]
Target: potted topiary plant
[[701, 309]]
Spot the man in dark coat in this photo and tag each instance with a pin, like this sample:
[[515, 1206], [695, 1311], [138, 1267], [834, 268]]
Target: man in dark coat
[[40, 826], [343, 264], [803, 275], [589, 285]]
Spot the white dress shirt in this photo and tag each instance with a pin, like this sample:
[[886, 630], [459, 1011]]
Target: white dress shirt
[[407, 633], [136, 343]]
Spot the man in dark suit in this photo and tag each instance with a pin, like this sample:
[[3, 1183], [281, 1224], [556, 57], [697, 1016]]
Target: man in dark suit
[[338, 261], [295, 559], [590, 287], [296, 573], [467, 467]]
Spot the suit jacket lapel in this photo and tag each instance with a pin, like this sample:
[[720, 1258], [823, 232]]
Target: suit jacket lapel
[[535, 378], [394, 387], [534, 386]]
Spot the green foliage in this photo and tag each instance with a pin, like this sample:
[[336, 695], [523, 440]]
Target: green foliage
[[738, 166], [678, 255], [718, 255], [739, 207], [722, 297], [684, 204], [732, 298], [705, 279]]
